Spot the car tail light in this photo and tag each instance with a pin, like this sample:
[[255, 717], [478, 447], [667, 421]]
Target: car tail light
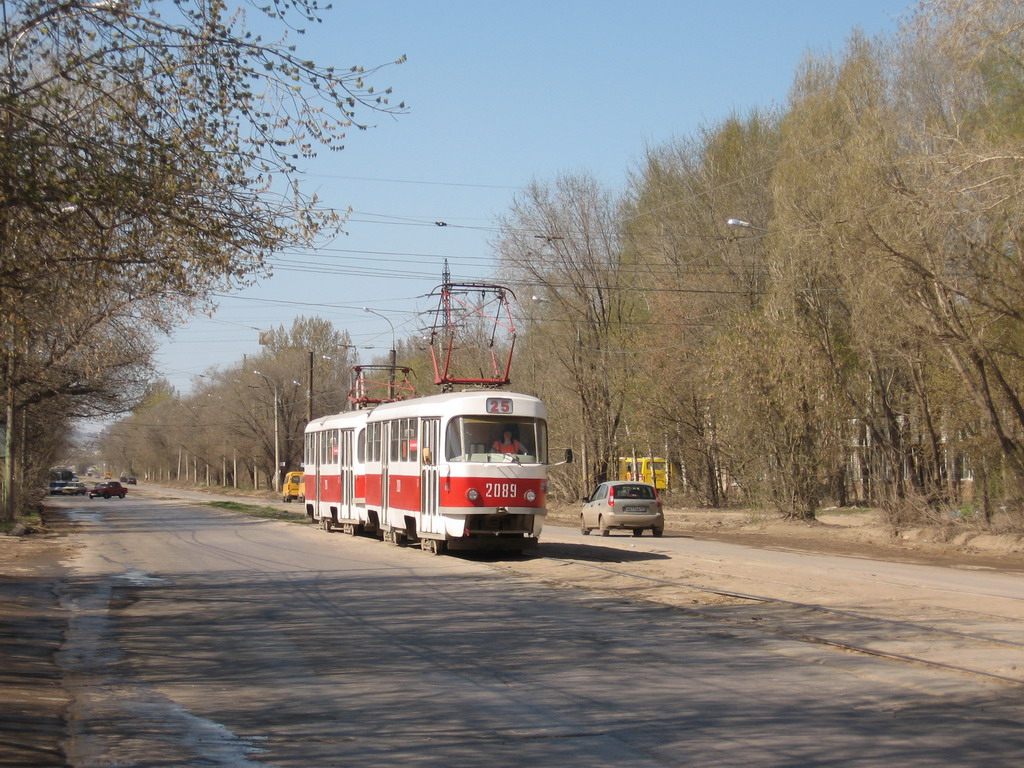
[[611, 496]]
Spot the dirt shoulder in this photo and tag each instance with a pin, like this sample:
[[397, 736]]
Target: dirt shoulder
[[32, 720], [852, 532]]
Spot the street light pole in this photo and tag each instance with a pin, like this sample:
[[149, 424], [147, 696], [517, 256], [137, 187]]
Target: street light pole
[[9, 505], [394, 353], [277, 441], [309, 397]]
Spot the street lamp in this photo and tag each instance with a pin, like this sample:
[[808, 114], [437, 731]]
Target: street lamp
[[740, 223], [394, 353], [277, 442]]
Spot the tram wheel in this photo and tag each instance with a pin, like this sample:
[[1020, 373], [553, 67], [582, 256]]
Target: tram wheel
[[433, 546]]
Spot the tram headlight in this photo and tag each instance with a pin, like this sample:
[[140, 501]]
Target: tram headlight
[[473, 494], [530, 496]]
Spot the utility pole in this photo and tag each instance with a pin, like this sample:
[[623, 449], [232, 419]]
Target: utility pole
[[8, 476], [277, 436]]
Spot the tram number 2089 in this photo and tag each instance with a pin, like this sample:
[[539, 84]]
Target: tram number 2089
[[501, 490]]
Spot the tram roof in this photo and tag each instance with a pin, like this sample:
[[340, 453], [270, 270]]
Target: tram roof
[[447, 404]]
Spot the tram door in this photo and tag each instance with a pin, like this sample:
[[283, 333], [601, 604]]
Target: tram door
[[313, 460], [348, 492], [430, 430], [385, 475]]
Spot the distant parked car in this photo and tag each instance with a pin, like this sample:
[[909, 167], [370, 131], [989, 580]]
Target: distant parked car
[[108, 488], [623, 505], [132, 480], [74, 489], [123, 478]]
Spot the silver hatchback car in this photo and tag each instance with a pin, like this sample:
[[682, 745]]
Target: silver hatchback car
[[623, 505]]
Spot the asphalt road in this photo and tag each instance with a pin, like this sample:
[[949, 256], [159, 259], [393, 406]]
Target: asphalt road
[[202, 638]]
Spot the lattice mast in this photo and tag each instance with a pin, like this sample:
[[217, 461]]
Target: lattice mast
[[473, 335], [375, 384]]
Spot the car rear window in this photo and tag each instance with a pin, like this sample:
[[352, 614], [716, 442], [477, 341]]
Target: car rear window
[[634, 492]]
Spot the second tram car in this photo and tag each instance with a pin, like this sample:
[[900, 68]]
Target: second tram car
[[459, 471]]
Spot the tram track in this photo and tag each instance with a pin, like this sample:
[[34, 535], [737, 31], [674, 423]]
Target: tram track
[[905, 641]]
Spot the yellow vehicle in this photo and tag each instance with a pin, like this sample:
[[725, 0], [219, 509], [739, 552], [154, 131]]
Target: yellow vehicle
[[644, 469], [293, 487]]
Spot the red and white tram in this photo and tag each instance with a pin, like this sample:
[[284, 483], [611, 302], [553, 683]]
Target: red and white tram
[[438, 471]]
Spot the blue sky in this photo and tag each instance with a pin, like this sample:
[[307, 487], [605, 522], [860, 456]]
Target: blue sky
[[500, 94]]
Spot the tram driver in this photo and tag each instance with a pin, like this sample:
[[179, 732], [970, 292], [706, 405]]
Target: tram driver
[[508, 443]]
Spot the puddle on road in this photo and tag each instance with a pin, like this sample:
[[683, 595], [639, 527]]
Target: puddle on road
[[136, 578], [79, 515]]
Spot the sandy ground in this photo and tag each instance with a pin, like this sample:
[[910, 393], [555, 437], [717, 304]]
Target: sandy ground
[[850, 533], [845, 531]]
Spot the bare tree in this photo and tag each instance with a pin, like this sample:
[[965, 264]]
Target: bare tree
[[560, 243]]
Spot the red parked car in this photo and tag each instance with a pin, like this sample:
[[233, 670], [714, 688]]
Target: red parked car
[[108, 488]]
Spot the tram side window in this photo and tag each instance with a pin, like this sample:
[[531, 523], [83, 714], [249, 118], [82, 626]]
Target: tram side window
[[361, 446], [453, 450], [329, 447], [345, 448], [412, 440], [309, 449], [404, 446], [373, 442]]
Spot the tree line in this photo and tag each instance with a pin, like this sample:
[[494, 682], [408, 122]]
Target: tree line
[[242, 424], [149, 156], [816, 304]]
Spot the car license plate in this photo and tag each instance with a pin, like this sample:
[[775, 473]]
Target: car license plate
[[634, 509]]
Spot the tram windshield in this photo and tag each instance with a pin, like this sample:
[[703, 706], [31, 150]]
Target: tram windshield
[[496, 439]]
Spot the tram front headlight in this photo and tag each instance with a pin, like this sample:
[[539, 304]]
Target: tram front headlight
[[473, 494], [530, 496]]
